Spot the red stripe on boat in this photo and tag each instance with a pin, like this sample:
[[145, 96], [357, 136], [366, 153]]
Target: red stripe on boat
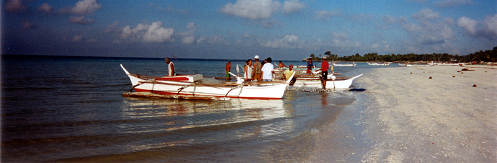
[[172, 78], [188, 94]]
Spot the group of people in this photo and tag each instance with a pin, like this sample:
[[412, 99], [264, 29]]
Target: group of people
[[258, 71], [255, 70]]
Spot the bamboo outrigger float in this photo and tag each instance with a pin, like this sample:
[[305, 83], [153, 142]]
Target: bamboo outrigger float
[[190, 87]]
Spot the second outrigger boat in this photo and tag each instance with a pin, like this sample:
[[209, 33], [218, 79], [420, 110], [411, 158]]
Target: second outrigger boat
[[344, 64], [379, 64], [332, 82], [190, 87], [313, 80]]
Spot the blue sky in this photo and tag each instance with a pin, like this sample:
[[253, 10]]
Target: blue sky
[[239, 29]]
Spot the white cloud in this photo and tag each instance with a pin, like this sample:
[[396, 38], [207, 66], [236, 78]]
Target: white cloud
[[468, 24], [188, 39], [449, 3], [14, 6], [287, 41], [80, 20], [188, 35], [389, 19], [252, 9], [154, 32], [411, 27], [375, 45], [428, 29], [426, 14], [341, 40], [490, 24], [212, 40], [85, 7], [45, 7], [292, 6], [446, 32], [486, 28], [326, 15], [431, 40]]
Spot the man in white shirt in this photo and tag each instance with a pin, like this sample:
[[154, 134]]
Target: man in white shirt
[[267, 70], [170, 66]]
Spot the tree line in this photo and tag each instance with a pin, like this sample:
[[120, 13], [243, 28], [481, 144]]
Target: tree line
[[479, 56]]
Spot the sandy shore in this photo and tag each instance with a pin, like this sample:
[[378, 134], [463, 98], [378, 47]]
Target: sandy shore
[[416, 119]]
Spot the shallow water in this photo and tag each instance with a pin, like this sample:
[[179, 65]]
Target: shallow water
[[59, 108]]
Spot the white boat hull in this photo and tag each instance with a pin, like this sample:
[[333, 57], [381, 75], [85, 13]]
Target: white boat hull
[[378, 64], [330, 84], [176, 89], [344, 65]]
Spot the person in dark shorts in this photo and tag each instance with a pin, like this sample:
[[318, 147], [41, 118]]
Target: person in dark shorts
[[324, 72], [310, 66]]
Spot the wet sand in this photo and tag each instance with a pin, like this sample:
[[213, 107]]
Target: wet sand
[[411, 118]]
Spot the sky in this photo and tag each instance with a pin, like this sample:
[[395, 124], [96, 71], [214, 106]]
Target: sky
[[240, 29]]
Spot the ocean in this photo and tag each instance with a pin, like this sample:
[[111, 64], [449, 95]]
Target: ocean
[[71, 109]]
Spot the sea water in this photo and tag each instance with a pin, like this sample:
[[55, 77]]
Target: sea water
[[71, 108]]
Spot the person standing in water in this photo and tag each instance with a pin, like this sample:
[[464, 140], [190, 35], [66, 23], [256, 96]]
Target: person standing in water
[[228, 70], [170, 66], [324, 72], [257, 69], [247, 70]]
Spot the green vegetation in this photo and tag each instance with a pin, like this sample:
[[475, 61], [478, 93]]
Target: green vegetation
[[485, 56]]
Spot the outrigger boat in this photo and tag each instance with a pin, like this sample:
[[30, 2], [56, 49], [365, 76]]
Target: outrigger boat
[[191, 87], [313, 80]]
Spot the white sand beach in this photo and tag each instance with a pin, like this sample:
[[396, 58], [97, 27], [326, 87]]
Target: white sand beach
[[445, 118], [411, 118]]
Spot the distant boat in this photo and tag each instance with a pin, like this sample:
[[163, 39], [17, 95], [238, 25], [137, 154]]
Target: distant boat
[[344, 64], [379, 64], [450, 64], [404, 65]]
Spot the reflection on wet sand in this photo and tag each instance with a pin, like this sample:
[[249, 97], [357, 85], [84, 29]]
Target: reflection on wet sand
[[207, 131], [205, 121]]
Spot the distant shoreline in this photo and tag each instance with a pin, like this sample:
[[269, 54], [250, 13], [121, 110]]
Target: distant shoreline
[[30, 56]]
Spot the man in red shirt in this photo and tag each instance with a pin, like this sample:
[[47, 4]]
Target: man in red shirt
[[324, 72]]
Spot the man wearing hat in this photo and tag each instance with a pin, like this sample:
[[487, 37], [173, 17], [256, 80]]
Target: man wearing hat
[[257, 69]]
